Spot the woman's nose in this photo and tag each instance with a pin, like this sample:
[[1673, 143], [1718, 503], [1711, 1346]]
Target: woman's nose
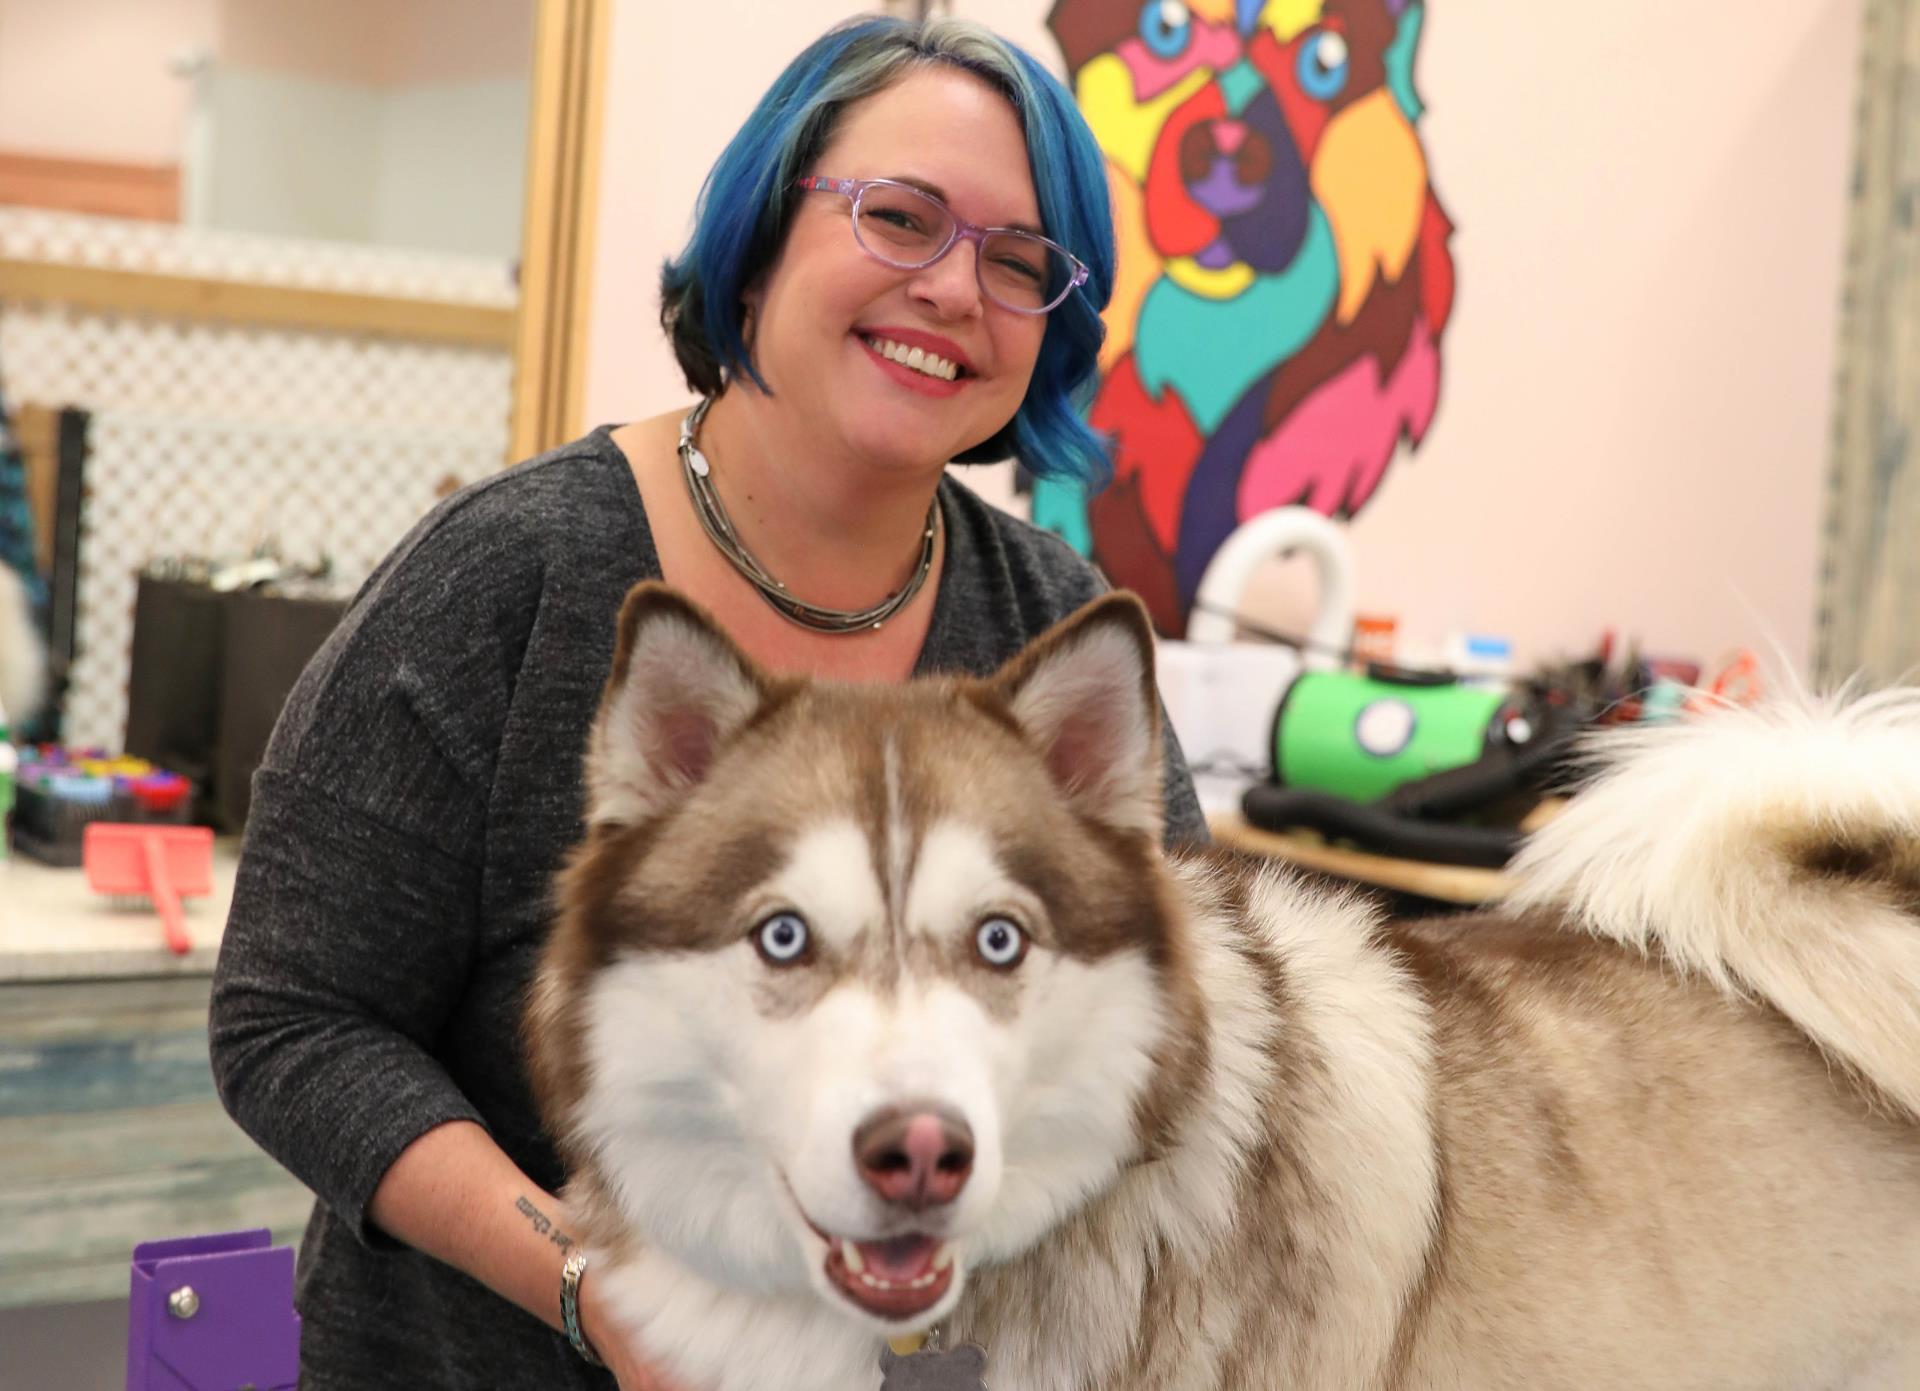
[[951, 285]]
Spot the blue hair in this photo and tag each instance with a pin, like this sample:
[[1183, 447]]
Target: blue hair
[[747, 203]]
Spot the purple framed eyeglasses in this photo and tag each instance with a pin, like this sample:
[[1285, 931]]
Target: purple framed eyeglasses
[[900, 225]]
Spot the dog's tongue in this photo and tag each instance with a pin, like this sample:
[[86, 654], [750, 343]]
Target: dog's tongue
[[899, 1258]]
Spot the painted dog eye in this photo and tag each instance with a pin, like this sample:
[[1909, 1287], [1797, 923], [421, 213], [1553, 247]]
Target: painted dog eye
[[1001, 943], [782, 939], [1166, 27], [1323, 65]]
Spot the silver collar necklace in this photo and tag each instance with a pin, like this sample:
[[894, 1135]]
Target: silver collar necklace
[[719, 528]]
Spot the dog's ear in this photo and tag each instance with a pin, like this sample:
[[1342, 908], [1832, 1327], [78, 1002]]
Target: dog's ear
[[1085, 29], [678, 691], [1083, 691]]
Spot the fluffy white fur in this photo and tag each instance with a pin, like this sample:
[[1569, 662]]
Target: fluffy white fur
[[23, 660], [1358, 1029], [1685, 841]]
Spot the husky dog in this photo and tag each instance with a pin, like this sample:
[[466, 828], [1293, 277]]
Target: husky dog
[[23, 659], [877, 1008]]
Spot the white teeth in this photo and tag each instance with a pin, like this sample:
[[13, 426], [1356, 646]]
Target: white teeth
[[919, 359], [920, 1282], [942, 1259]]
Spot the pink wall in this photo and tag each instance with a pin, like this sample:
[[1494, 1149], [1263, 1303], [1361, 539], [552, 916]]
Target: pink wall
[[458, 40], [379, 42], [87, 79], [329, 39], [1634, 414], [680, 79]]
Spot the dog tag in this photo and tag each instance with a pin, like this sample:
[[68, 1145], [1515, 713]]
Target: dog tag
[[958, 1369]]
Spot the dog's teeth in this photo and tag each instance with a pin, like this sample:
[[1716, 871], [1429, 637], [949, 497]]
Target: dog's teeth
[[851, 1255], [944, 1256]]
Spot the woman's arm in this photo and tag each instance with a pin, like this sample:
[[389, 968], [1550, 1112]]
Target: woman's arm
[[455, 1195]]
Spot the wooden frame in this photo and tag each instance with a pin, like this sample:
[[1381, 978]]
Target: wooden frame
[[231, 302], [147, 191], [563, 157]]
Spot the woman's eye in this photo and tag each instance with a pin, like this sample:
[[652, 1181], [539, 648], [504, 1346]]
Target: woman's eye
[[1013, 265], [782, 939], [1000, 943]]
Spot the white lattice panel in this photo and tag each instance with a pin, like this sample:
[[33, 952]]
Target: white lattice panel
[[206, 437], [58, 356], [159, 488], [165, 248]]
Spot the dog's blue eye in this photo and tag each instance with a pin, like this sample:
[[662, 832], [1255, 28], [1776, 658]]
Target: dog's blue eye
[[1000, 943], [1166, 27], [782, 938], [1323, 65]]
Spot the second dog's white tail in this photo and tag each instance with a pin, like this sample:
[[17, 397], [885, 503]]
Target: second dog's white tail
[[1775, 851]]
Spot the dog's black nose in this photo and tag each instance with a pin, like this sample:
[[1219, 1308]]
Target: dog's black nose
[[919, 1154]]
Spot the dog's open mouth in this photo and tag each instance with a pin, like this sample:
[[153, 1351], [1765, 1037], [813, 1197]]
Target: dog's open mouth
[[896, 1278]]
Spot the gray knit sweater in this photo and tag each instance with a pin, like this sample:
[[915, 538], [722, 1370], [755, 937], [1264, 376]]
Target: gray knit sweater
[[419, 792]]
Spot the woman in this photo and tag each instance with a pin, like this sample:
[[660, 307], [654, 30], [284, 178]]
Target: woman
[[851, 326]]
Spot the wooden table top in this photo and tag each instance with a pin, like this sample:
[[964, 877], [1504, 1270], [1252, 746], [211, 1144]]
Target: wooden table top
[[1462, 884]]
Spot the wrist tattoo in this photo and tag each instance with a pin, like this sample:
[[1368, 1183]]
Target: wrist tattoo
[[543, 1224]]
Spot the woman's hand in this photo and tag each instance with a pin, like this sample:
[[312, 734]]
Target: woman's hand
[[615, 1348]]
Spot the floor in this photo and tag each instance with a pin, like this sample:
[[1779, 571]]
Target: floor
[[72, 1347]]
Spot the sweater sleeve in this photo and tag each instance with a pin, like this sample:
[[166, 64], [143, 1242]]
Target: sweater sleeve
[[355, 915]]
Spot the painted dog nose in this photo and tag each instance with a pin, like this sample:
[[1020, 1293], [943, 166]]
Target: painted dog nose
[[918, 1155], [1227, 135]]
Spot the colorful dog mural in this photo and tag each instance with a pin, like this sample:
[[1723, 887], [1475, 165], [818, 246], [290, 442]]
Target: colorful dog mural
[[1284, 277]]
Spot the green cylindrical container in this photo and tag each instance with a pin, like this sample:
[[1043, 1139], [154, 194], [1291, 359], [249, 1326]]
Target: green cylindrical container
[[1361, 736]]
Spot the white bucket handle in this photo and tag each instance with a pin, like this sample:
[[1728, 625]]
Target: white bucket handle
[[1252, 544]]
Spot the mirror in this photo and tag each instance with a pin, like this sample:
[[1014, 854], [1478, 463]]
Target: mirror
[[331, 120], [278, 274]]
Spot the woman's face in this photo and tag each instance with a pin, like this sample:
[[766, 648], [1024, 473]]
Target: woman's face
[[824, 306]]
